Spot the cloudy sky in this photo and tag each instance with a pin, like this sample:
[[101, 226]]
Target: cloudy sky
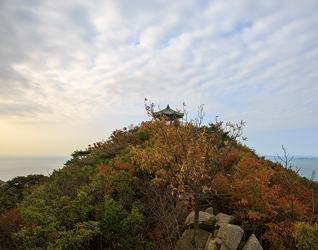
[[73, 71]]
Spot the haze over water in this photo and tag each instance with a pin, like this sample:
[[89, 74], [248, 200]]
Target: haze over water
[[22, 165], [306, 164]]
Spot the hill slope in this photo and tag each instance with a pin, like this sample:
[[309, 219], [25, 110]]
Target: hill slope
[[128, 193]]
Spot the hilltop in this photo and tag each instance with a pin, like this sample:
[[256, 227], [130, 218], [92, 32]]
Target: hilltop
[[129, 192]]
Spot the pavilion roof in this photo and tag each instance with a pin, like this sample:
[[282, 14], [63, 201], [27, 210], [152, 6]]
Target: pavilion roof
[[170, 113]]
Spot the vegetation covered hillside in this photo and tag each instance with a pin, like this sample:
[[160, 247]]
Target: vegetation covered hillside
[[129, 192]]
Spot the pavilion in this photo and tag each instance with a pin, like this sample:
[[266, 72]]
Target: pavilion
[[171, 114]]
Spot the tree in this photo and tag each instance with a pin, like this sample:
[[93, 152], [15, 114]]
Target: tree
[[184, 157], [306, 236], [101, 211], [164, 214], [12, 191], [257, 200], [9, 224], [292, 184]]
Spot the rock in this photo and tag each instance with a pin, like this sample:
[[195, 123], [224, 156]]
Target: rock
[[186, 241], [213, 243], [224, 247], [209, 210], [252, 244], [218, 241], [224, 219], [230, 235], [209, 239], [206, 221], [224, 237], [215, 232]]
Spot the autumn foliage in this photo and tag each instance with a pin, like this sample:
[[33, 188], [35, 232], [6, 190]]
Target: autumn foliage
[[127, 192]]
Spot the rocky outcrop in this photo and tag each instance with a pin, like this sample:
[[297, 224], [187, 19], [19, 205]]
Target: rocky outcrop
[[213, 243], [215, 233], [252, 244], [186, 240], [230, 235], [224, 219], [206, 221]]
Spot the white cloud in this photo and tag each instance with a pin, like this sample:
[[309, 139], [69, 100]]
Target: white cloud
[[75, 61]]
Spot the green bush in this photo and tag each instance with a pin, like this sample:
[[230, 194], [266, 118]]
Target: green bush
[[306, 236]]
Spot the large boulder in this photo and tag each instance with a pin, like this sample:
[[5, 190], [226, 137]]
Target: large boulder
[[206, 221], [209, 210], [186, 241], [213, 243], [224, 219], [252, 244], [230, 235]]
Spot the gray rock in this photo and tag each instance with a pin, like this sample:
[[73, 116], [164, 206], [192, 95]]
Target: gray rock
[[224, 247], [186, 241], [209, 210], [206, 221], [230, 235], [213, 244], [224, 219], [252, 244], [208, 240]]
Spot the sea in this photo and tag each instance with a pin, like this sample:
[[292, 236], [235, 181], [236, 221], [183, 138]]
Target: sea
[[22, 165], [305, 164]]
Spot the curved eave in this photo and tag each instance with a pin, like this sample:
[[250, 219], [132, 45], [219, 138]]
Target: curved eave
[[170, 113]]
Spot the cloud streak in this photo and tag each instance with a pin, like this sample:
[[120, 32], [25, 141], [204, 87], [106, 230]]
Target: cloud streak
[[70, 61]]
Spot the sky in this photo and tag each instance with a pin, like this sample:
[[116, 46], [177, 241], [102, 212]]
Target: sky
[[71, 72]]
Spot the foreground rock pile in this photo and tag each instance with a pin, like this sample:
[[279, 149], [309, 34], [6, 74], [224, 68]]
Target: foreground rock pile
[[215, 232]]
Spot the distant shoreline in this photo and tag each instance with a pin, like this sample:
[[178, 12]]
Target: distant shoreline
[[294, 157], [306, 158]]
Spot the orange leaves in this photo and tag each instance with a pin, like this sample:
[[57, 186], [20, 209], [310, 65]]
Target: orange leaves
[[231, 158], [254, 215], [183, 155], [279, 235], [104, 169], [118, 166], [243, 201], [256, 196], [110, 176], [260, 200], [161, 172]]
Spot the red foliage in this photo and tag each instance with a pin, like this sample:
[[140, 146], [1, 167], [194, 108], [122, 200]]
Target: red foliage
[[256, 198], [231, 158], [117, 167], [268, 200], [110, 172], [279, 235], [9, 223]]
